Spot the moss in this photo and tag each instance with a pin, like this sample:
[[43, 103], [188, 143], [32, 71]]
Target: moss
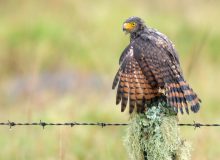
[[154, 135]]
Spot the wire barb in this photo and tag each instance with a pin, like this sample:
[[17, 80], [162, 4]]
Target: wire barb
[[43, 124], [11, 124]]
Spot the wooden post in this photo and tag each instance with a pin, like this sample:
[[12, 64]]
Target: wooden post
[[154, 135]]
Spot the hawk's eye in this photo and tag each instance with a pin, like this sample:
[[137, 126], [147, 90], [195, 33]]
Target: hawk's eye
[[133, 23]]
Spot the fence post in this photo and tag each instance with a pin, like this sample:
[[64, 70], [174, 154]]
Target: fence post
[[154, 135]]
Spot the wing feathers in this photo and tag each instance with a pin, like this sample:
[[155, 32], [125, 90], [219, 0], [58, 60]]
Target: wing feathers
[[132, 97], [145, 69]]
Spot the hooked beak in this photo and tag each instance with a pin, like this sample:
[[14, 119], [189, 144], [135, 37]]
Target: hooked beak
[[127, 27]]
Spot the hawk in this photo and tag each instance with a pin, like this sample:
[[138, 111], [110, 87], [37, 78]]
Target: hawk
[[149, 69]]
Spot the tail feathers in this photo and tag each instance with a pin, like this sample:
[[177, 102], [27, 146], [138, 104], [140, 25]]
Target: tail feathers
[[176, 97], [180, 95]]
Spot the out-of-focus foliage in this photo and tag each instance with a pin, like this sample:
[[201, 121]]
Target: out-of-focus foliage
[[58, 59]]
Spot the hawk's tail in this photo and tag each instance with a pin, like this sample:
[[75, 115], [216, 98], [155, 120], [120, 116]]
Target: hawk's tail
[[180, 95]]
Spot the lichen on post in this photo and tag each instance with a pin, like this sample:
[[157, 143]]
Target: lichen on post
[[154, 135]]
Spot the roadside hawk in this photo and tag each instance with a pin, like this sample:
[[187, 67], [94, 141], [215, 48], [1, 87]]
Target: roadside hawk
[[150, 68]]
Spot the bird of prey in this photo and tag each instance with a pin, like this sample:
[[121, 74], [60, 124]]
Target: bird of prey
[[150, 68]]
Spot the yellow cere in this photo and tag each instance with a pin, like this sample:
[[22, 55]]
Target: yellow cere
[[129, 26]]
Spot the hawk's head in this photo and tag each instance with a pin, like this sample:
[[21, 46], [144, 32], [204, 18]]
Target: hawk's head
[[133, 24]]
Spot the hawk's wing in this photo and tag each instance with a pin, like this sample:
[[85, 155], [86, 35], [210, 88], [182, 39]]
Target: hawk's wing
[[148, 65]]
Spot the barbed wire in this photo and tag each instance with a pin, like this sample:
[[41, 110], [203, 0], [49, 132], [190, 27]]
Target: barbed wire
[[71, 124], [101, 124]]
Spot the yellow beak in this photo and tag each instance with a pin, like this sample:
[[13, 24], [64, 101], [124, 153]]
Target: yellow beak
[[127, 26]]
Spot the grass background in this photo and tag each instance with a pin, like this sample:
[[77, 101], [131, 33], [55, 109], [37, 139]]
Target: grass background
[[58, 59]]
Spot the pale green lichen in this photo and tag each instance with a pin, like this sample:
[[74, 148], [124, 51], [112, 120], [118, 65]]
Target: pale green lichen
[[154, 135]]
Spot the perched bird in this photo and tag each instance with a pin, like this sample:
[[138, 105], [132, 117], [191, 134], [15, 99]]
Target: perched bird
[[150, 68]]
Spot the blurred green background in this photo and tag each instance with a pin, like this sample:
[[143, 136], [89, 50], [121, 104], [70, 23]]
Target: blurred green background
[[58, 59]]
